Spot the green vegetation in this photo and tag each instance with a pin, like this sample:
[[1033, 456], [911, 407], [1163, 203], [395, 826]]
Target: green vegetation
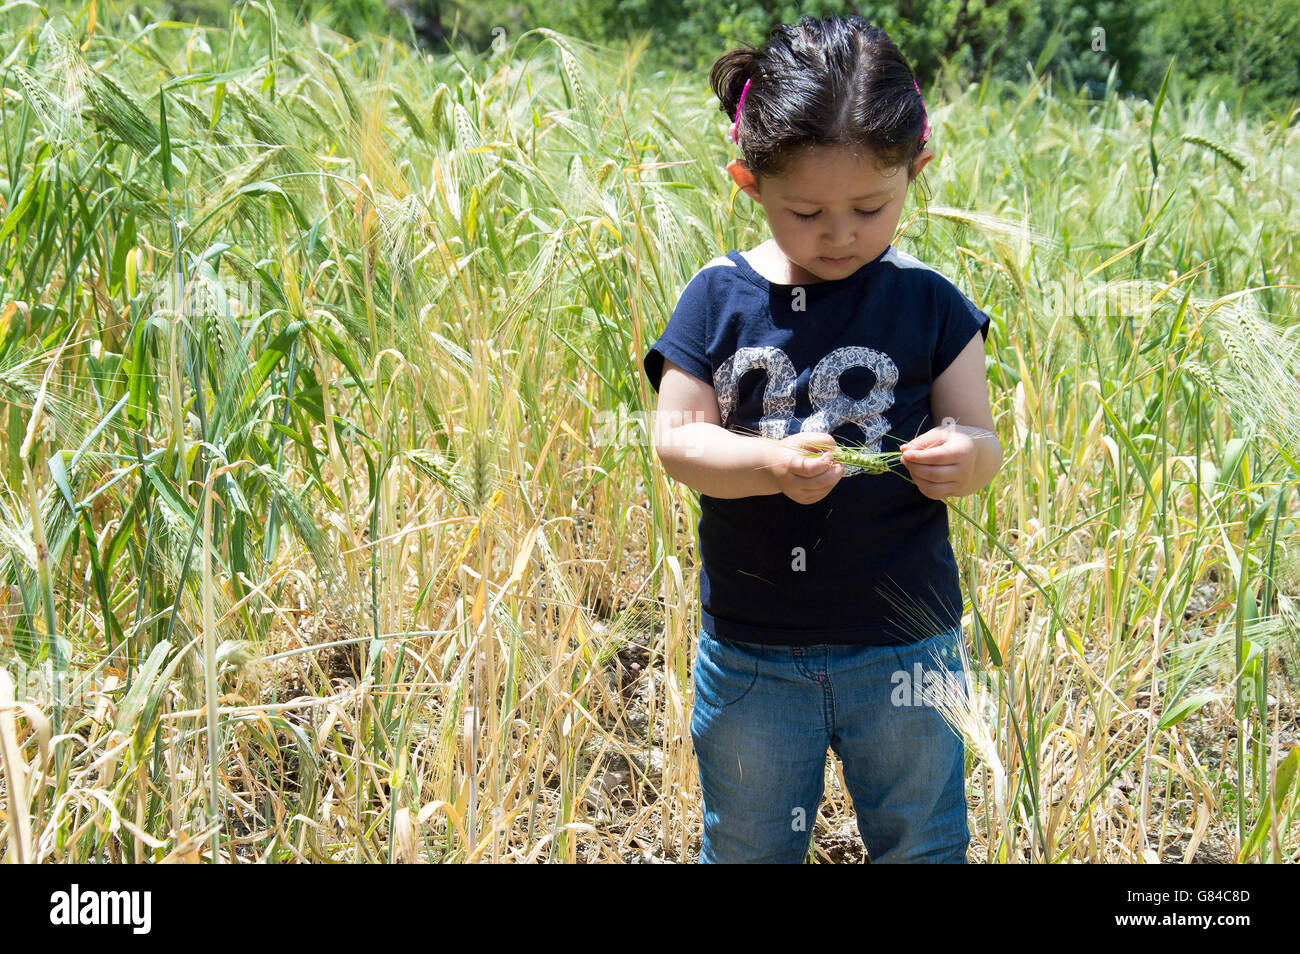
[[319, 542], [1245, 49]]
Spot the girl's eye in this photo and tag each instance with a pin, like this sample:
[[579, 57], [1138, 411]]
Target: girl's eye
[[813, 215]]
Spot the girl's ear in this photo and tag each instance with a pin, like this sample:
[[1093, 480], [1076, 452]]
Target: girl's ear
[[739, 170], [921, 161]]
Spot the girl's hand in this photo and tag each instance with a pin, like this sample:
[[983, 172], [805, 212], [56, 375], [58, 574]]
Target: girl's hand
[[942, 460], [803, 477]]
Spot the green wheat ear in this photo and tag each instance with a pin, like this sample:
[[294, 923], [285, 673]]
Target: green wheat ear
[[1222, 151], [858, 457], [872, 463]]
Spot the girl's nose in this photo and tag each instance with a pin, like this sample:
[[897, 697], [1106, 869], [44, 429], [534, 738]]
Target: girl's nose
[[841, 236]]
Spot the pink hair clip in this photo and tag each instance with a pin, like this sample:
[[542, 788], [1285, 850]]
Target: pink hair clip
[[735, 137], [925, 133]]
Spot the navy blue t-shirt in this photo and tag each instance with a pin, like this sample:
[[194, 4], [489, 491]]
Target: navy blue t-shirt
[[870, 563]]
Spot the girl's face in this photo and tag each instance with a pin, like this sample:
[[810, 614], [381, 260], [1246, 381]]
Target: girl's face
[[832, 211]]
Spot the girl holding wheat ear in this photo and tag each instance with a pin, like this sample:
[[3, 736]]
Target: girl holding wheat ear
[[772, 358]]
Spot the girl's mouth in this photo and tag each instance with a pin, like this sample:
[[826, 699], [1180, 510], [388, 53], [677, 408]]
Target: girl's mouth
[[836, 261]]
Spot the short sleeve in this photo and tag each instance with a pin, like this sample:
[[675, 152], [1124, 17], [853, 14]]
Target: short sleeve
[[960, 321], [683, 339]]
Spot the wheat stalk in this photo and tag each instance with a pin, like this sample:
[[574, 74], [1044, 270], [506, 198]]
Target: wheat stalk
[[962, 703]]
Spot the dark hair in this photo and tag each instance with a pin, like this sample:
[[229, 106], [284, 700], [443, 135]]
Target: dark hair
[[834, 81]]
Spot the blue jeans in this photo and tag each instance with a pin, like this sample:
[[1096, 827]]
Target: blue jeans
[[765, 716]]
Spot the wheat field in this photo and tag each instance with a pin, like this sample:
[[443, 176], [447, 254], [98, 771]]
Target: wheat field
[[331, 526]]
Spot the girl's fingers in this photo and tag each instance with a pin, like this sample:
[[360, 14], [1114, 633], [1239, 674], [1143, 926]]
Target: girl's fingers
[[811, 467], [823, 471], [926, 455], [833, 473], [936, 490], [820, 479], [931, 472], [817, 442]]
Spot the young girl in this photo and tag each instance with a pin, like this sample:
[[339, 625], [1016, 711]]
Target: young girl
[[829, 593]]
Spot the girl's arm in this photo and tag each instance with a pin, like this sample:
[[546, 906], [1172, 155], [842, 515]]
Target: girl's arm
[[695, 449]]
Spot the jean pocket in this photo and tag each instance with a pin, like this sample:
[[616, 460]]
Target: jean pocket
[[724, 674], [950, 648], [946, 657]]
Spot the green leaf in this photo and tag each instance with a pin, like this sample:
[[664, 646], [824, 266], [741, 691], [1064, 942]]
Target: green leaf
[[1185, 707], [168, 492], [1286, 776], [98, 429], [1155, 118], [991, 645], [218, 97], [1176, 325], [124, 242], [1134, 455], [1050, 46], [147, 724], [139, 692], [36, 187], [1232, 456], [59, 472], [263, 187], [140, 378], [266, 362], [166, 140], [1255, 523]]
